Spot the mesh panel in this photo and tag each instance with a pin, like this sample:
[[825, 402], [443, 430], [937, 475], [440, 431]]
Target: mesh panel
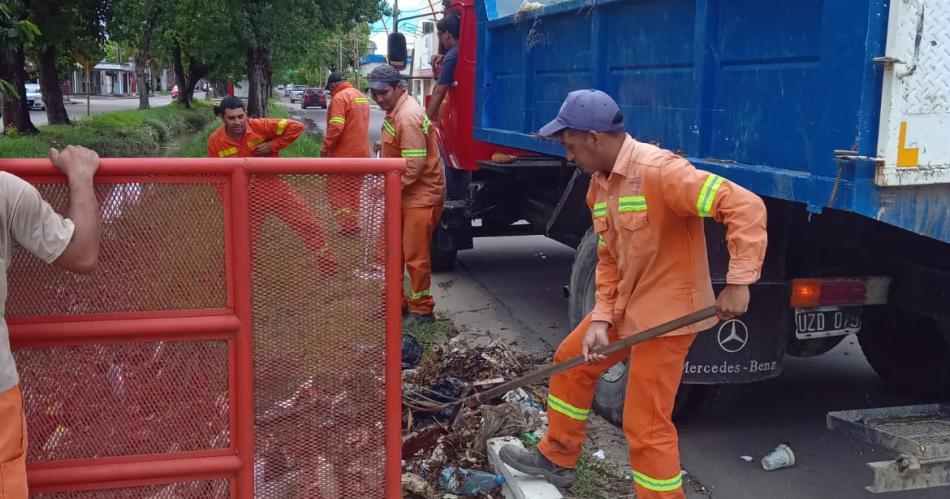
[[127, 398], [212, 489], [162, 248], [319, 336]]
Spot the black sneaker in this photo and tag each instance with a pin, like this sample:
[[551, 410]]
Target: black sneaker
[[532, 462]]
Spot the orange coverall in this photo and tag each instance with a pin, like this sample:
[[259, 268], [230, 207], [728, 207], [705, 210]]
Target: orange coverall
[[347, 137], [273, 195], [648, 216], [407, 134]]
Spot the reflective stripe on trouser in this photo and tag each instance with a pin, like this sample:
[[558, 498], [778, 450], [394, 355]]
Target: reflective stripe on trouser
[[417, 227], [344, 194], [12, 445], [655, 370]]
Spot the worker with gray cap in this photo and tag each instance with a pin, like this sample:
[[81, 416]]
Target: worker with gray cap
[[407, 134], [648, 206]]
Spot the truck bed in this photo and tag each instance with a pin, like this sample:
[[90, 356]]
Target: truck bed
[[762, 93]]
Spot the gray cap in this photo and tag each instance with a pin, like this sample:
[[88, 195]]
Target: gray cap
[[586, 110], [335, 77], [383, 77]]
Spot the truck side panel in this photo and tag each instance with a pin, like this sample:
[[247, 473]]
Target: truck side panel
[[761, 92]]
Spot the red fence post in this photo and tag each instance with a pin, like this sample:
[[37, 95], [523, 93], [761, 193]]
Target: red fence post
[[393, 224], [243, 395]]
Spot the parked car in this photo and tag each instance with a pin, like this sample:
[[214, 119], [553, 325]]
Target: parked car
[[314, 97], [296, 93], [34, 98]]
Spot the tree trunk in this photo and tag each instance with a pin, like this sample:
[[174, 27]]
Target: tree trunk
[[196, 71], [16, 113], [142, 78], [258, 80], [52, 88], [183, 97]]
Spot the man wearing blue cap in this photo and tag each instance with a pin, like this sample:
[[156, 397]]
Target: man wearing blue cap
[[648, 206]]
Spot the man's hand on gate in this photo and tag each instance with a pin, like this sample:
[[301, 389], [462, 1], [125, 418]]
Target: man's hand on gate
[[77, 162], [733, 301], [595, 337], [263, 149]]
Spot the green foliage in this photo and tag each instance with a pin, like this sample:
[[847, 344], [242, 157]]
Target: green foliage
[[75, 29], [117, 134]]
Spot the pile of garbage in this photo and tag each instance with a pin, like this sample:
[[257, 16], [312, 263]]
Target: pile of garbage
[[445, 449]]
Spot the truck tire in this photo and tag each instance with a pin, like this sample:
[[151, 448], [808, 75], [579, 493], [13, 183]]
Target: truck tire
[[612, 386], [907, 350], [442, 261]]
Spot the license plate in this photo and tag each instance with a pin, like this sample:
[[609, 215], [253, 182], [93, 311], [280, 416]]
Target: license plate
[[828, 321]]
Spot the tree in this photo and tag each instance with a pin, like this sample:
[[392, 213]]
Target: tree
[[202, 41], [276, 27], [69, 29], [15, 33], [139, 23]]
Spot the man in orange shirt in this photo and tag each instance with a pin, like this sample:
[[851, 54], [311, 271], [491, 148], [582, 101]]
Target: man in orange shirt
[[242, 137], [406, 134], [347, 137], [648, 206]]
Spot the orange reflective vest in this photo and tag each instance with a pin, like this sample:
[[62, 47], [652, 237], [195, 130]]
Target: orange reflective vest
[[648, 214], [347, 124], [407, 134], [279, 132]]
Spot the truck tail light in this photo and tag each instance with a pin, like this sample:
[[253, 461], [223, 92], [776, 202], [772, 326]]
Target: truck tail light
[[814, 293]]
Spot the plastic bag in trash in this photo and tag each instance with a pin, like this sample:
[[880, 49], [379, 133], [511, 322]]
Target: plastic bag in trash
[[411, 351]]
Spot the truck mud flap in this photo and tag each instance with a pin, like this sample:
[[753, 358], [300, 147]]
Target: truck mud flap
[[748, 348]]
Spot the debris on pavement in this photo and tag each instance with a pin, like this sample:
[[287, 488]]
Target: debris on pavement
[[415, 487], [747, 459], [509, 418], [600, 454], [781, 457], [454, 437], [468, 482], [411, 351]]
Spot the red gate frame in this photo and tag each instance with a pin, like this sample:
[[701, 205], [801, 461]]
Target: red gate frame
[[236, 463]]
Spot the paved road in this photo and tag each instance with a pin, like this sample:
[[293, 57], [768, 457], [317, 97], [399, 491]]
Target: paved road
[[319, 117], [510, 287], [99, 105]]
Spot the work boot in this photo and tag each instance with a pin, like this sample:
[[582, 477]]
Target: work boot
[[414, 319], [532, 462]]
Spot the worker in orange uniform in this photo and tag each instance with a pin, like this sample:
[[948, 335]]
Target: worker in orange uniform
[[406, 134], [347, 137], [70, 243], [243, 137], [648, 206]]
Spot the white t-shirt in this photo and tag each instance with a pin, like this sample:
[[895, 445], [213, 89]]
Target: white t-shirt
[[31, 222]]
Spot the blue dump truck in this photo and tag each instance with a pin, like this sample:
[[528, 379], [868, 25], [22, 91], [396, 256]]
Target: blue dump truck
[[836, 112]]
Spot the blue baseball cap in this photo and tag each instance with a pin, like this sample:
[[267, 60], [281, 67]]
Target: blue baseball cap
[[586, 110]]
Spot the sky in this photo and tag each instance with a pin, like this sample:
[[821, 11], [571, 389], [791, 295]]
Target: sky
[[407, 8]]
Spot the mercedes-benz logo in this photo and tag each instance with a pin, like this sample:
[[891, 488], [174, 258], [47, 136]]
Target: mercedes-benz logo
[[733, 335]]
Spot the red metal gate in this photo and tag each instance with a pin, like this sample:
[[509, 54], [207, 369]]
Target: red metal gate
[[216, 352]]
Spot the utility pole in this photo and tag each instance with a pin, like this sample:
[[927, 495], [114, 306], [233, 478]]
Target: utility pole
[[88, 90], [356, 36]]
